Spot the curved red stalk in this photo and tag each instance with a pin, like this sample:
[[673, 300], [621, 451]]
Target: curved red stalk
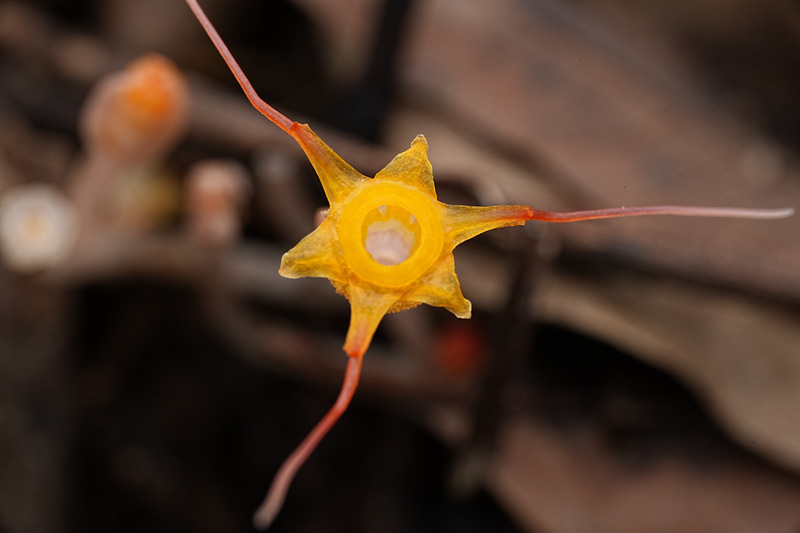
[[267, 110], [272, 504], [679, 210]]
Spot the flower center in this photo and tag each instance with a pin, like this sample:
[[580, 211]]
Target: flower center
[[390, 234]]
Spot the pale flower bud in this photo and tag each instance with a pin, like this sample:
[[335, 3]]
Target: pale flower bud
[[216, 193]]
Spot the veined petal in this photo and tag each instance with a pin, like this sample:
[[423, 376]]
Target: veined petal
[[411, 167], [367, 309], [463, 222], [338, 178], [442, 289], [318, 255]]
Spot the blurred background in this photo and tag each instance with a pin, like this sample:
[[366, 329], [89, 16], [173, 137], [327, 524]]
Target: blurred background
[[638, 375]]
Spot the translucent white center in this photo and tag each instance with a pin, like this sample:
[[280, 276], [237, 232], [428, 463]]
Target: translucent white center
[[389, 242]]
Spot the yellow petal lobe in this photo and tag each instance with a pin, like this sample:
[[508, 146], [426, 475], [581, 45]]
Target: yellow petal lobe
[[318, 255], [367, 308], [463, 222], [338, 178], [411, 168], [442, 289]]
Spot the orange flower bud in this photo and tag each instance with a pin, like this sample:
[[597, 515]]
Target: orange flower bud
[[138, 113]]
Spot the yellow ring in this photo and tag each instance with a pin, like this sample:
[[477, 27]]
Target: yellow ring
[[351, 221]]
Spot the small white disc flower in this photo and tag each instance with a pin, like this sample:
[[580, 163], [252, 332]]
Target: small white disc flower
[[38, 227]]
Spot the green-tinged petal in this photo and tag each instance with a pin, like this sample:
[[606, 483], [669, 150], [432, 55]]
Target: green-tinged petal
[[441, 289], [338, 178], [367, 309], [411, 167], [318, 255], [463, 222]]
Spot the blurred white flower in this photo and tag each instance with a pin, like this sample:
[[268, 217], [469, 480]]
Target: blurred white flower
[[38, 227]]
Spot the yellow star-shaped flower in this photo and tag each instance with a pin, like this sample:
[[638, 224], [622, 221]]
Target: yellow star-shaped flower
[[387, 243]]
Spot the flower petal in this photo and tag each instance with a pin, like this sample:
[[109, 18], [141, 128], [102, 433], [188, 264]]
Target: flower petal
[[411, 167], [442, 289], [338, 178], [318, 255], [463, 222], [367, 309]]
